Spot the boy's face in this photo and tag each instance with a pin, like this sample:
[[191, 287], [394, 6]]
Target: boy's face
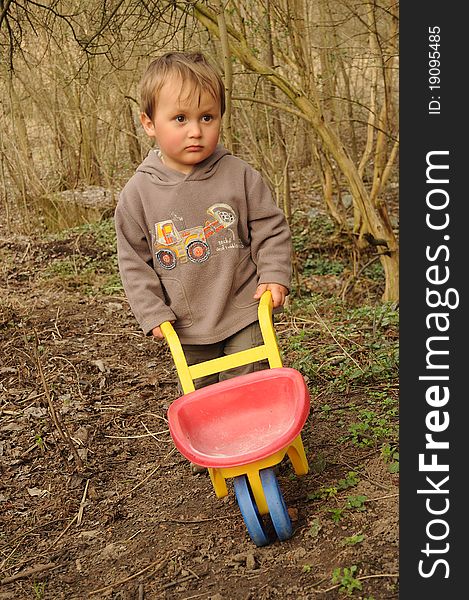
[[186, 126]]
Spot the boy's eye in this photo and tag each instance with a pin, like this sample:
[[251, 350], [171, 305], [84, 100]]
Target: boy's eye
[[180, 118], [207, 118]]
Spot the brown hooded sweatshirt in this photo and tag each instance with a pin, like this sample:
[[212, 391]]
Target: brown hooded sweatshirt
[[193, 248]]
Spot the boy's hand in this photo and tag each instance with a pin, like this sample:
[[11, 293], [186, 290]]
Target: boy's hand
[[156, 332], [279, 293]]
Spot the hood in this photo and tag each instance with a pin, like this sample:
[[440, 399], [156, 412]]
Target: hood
[[154, 166]]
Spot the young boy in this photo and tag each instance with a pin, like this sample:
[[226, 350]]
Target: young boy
[[199, 237]]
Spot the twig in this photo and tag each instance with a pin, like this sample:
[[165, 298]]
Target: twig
[[158, 565], [177, 581], [359, 579], [193, 573], [82, 504], [172, 451], [20, 536], [28, 572], [137, 437], [198, 595], [335, 339], [356, 277], [379, 575], [382, 498], [196, 521], [156, 416], [55, 416], [55, 322], [25, 252], [154, 434], [144, 480], [282, 107], [373, 481], [74, 368], [134, 535], [4, 562], [63, 532], [121, 334]]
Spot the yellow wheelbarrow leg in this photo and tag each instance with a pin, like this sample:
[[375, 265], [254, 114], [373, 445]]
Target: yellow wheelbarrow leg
[[258, 491], [218, 482], [297, 456], [219, 476]]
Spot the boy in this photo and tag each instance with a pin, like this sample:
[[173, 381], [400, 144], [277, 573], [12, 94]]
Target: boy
[[199, 237]]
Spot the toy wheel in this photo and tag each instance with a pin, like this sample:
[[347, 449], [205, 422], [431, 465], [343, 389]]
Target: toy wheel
[[277, 507], [166, 258], [249, 511], [198, 251], [225, 216]]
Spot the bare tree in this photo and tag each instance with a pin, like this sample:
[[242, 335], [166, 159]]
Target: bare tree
[[325, 69]]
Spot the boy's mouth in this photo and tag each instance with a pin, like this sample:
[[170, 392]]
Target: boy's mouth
[[194, 148]]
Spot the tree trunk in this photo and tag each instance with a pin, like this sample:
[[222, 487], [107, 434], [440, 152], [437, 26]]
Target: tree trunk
[[228, 75], [277, 124]]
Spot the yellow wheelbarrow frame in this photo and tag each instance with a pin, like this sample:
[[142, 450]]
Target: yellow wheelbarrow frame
[[268, 350]]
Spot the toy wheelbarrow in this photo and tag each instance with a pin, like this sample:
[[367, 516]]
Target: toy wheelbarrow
[[242, 427]]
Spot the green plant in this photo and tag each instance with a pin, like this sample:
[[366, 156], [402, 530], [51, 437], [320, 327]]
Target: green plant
[[357, 502], [317, 226], [315, 528], [112, 285], [320, 265], [337, 514], [342, 347], [318, 463], [87, 259], [39, 589], [350, 480], [322, 493], [346, 579], [353, 539], [371, 429], [390, 455]]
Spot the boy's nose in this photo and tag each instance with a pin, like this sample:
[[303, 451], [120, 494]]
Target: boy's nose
[[195, 130]]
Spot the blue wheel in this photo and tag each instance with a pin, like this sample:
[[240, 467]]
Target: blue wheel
[[249, 511], [277, 507]]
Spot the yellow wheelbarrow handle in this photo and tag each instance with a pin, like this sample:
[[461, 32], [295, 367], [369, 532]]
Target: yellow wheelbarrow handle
[[268, 350]]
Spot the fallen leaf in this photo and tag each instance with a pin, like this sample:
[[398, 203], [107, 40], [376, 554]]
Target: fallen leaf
[[37, 492], [35, 412], [100, 364]]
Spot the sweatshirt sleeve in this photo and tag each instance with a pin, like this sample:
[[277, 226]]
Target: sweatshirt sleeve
[[141, 284], [271, 247]]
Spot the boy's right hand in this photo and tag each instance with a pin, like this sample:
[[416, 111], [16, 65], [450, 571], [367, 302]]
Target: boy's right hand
[[156, 332]]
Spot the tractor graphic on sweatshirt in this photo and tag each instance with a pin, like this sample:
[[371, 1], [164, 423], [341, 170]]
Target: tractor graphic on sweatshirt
[[191, 244]]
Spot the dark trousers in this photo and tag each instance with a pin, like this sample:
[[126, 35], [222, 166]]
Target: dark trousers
[[249, 337]]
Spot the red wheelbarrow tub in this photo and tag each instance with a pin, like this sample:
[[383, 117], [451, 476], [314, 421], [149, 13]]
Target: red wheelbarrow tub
[[240, 420]]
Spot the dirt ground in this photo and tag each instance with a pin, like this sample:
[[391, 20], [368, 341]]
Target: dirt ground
[[95, 502]]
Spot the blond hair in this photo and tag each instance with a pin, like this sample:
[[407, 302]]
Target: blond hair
[[191, 67]]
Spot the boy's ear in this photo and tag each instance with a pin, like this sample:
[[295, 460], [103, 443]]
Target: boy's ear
[[147, 124]]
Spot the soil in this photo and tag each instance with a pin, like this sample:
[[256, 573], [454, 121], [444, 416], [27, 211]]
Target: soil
[[96, 502]]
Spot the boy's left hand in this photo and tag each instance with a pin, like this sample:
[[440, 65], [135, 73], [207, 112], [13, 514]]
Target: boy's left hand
[[279, 293]]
